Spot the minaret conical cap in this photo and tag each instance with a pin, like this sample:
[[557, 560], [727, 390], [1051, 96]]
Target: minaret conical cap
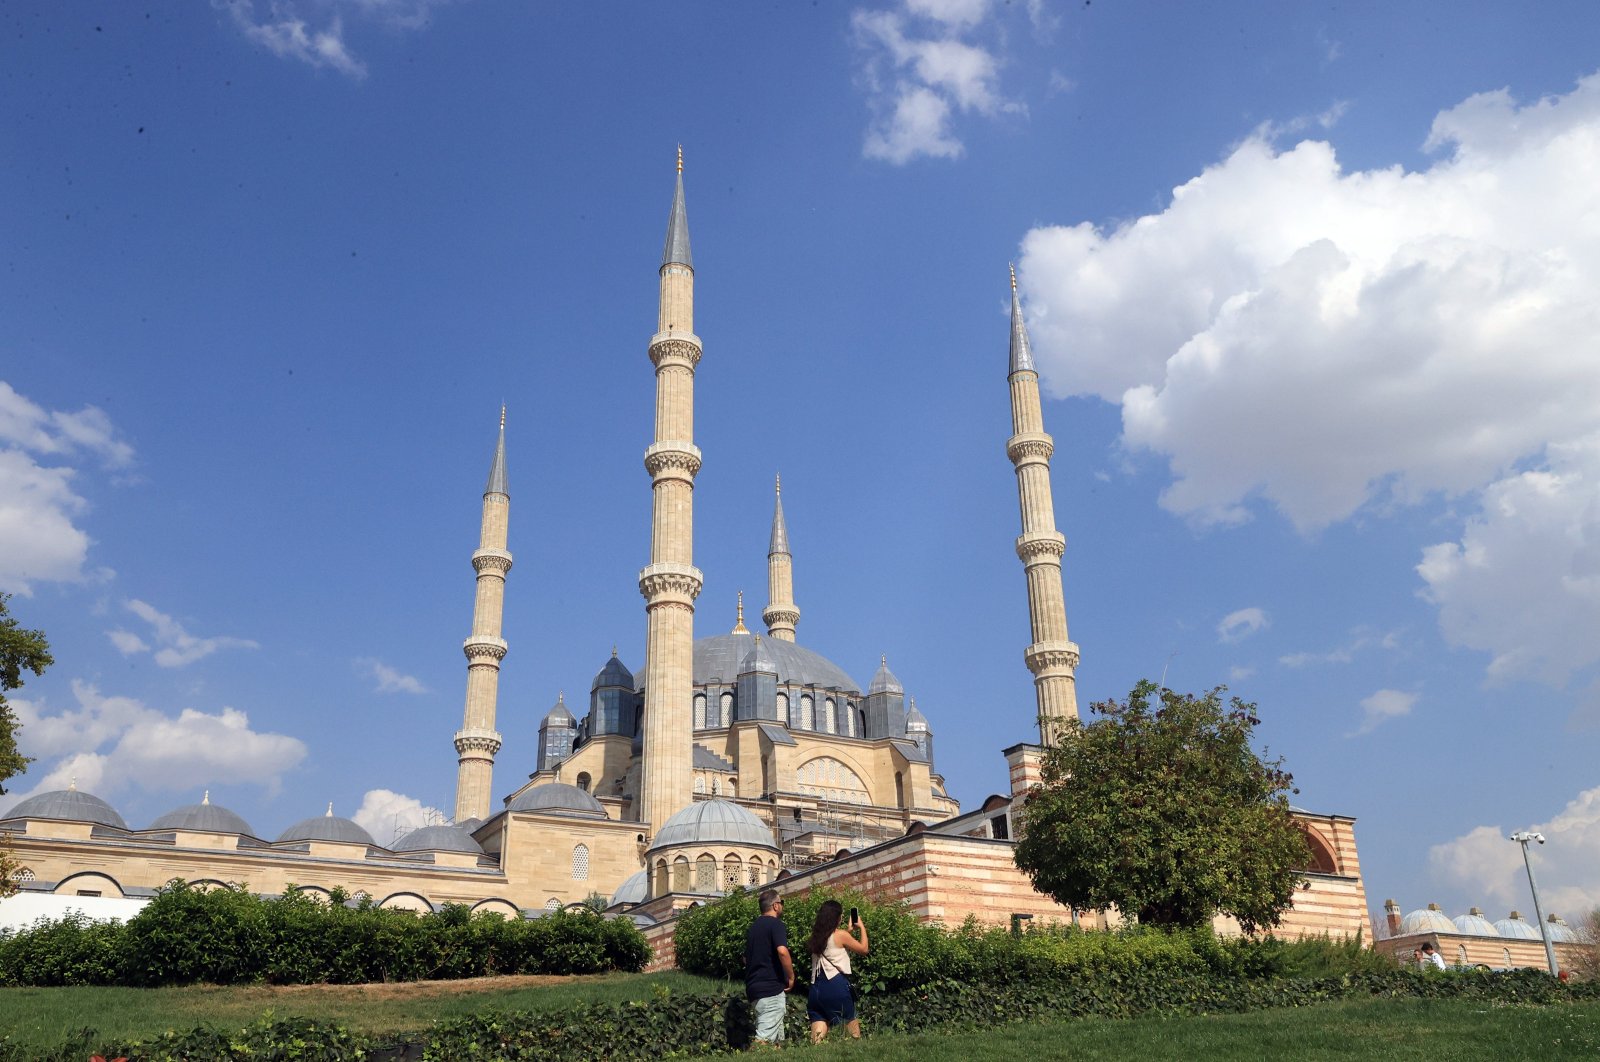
[[1021, 350], [497, 470], [677, 247], [780, 533]]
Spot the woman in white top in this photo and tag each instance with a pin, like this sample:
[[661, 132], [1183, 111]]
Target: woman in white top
[[830, 1001]]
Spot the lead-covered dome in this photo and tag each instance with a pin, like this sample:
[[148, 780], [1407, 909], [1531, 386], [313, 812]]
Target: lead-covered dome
[[327, 827], [1560, 932], [558, 798], [713, 822], [68, 805], [1429, 919], [1518, 928], [1475, 924], [204, 817], [636, 889], [438, 838], [614, 673], [883, 680], [560, 715], [718, 659]]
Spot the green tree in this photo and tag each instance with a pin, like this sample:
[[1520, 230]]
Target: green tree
[[1161, 809], [20, 650]]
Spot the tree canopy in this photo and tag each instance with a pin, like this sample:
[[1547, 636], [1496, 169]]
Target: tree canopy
[[1161, 808], [20, 650]]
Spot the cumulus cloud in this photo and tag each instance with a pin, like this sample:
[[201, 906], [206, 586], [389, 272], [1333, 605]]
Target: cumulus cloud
[[387, 678], [281, 27], [39, 538], [108, 743], [1317, 339], [919, 73], [178, 647], [1238, 625], [1239, 674], [388, 815], [1382, 707], [1484, 862]]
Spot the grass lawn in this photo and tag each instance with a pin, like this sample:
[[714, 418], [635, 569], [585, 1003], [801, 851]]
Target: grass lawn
[[43, 1015], [1403, 1029]]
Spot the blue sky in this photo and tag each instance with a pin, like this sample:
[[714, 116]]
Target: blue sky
[[1311, 288]]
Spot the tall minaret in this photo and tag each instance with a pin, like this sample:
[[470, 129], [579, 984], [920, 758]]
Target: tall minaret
[[1051, 657], [477, 741], [781, 613], [671, 582]]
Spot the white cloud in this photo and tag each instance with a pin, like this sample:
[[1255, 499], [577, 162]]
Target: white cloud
[[388, 679], [107, 744], [1321, 340], [177, 646], [1239, 674], [1523, 581], [919, 74], [280, 28], [387, 815], [1382, 707], [1484, 862], [1238, 625], [1361, 639], [39, 539]]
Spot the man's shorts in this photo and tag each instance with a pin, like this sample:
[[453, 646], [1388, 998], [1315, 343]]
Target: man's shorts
[[769, 1017]]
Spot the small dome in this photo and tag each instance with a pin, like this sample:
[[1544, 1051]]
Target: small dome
[[67, 805], [884, 681], [326, 827], [635, 890], [758, 659], [558, 798], [1517, 928], [712, 822], [1560, 932], [559, 716], [1427, 920], [1475, 924], [440, 838], [204, 817], [916, 722], [613, 674]]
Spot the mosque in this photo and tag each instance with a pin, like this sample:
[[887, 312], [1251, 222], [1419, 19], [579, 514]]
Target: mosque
[[741, 758]]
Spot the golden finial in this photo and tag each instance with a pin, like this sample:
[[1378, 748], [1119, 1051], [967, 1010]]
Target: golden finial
[[680, 158], [738, 626], [613, 648], [72, 785], [777, 483], [330, 810], [883, 661], [502, 416], [207, 798], [1013, 278]]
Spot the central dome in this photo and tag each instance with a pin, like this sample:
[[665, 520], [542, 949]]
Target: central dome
[[717, 659], [713, 822]]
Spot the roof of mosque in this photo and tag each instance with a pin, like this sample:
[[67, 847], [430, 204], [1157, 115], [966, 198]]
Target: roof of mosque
[[558, 798], [718, 659], [1474, 923], [708, 822], [438, 838], [204, 817], [560, 715], [70, 805], [327, 827], [1518, 928], [883, 680], [614, 673], [635, 889], [1429, 919]]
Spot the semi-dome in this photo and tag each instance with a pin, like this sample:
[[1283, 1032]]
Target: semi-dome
[[614, 673], [327, 827], [1518, 928], [1560, 932], [558, 798], [559, 715], [883, 681], [438, 838], [635, 889], [67, 805], [1475, 924], [718, 659], [204, 817], [1429, 919], [713, 822]]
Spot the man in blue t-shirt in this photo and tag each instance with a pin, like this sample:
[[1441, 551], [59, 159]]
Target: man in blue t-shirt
[[768, 969]]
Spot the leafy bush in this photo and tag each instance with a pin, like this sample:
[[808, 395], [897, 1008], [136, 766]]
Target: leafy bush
[[72, 950]]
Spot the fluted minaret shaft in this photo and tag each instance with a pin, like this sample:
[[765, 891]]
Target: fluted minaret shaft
[[671, 582], [1051, 656], [781, 613], [477, 741]]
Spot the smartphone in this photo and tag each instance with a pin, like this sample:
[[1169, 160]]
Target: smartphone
[[855, 915]]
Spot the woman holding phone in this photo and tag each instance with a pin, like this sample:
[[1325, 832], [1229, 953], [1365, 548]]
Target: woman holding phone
[[831, 1000]]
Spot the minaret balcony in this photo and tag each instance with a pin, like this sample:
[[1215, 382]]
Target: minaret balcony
[[672, 459], [491, 559], [1041, 547], [1030, 447], [1060, 657], [484, 646], [667, 582], [682, 348]]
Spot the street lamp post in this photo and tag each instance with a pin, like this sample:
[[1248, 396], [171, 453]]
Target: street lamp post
[[1544, 928]]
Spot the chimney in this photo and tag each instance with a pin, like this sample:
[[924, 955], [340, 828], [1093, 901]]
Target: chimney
[[1391, 914]]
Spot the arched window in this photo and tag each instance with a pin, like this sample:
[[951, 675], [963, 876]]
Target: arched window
[[699, 711], [808, 719], [699, 783], [660, 887], [584, 780], [899, 790], [831, 779], [680, 874], [1506, 952], [552, 904], [829, 717], [22, 875], [727, 708], [705, 873], [733, 787], [861, 720], [783, 709], [580, 863], [1461, 955], [732, 873], [758, 871]]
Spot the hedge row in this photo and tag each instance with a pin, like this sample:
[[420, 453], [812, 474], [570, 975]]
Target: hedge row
[[187, 935], [693, 1025]]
